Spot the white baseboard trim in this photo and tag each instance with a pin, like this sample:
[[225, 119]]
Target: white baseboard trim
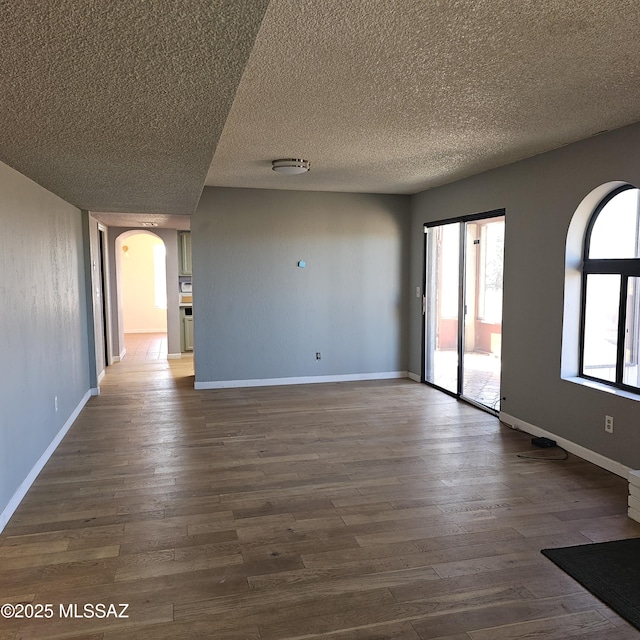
[[146, 330], [276, 382], [119, 358], [37, 468], [101, 376], [414, 376], [94, 391], [174, 356], [578, 450]]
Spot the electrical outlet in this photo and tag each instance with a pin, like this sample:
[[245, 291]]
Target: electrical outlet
[[55, 402], [608, 424], [318, 355]]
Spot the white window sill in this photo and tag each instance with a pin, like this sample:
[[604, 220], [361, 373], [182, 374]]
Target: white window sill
[[598, 386]]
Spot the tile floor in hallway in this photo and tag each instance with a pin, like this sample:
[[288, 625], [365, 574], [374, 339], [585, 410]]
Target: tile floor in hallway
[[146, 346]]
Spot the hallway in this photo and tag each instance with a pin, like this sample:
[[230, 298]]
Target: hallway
[[348, 511]]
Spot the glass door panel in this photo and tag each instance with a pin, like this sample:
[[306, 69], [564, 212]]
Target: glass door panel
[[482, 326], [442, 295]]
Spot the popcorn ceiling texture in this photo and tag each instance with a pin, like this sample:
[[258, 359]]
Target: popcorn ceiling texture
[[397, 97], [118, 106], [121, 106]]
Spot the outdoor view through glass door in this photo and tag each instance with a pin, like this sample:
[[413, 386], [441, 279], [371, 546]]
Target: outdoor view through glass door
[[463, 307]]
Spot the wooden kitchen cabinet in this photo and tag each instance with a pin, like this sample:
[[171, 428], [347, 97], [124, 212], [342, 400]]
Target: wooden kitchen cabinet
[[185, 253], [188, 333], [186, 329]]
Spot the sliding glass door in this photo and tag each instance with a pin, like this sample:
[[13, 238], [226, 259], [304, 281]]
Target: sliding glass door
[[463, 307]]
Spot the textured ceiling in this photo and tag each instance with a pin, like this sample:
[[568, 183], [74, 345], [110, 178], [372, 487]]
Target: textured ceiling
[[118, 105], [398, 96], [121, 106]]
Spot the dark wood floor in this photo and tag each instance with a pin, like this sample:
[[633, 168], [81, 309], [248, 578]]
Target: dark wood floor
[[343, 511]]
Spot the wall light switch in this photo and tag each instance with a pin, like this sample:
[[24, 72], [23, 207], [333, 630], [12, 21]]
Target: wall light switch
[[417, 292]]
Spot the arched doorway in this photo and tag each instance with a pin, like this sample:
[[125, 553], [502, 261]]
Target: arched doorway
[[142, 294]]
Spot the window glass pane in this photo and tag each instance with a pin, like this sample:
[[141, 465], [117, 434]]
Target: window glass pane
[[491, 269], [631, 336], [601, 326], [615, 232], [449, 254]]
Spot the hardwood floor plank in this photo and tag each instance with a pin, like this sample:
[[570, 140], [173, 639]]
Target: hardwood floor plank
[[399, 613], [486, 564], [183, 630], [62, 557], [163, 566], [351, 581], [58, 628], [176, 588], [281, 608], [425, 590], [507, 614], [425, 531], [332, 557], [384, 631], [556, 628], [15, 549], [266, 582]]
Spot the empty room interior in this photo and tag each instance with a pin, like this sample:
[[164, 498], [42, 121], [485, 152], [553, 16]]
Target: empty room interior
[[288, 289]]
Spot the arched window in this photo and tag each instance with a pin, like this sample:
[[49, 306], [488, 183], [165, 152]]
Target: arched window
[[610, 327]]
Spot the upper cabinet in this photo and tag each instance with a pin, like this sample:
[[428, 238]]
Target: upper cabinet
[[185, 253]]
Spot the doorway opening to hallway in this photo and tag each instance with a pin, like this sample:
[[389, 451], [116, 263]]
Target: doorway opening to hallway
[[143, 278]]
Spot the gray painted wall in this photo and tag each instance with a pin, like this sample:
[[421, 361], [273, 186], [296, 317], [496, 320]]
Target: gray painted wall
[[170, 238], [540, 196], [43, 321], [257, 315]]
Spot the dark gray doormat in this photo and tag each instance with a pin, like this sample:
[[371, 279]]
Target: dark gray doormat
[[610, 570]]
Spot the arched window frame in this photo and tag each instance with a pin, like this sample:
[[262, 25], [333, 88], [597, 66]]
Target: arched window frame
[[625, 268]]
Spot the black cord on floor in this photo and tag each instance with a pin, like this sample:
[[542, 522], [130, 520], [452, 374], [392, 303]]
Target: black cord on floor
[[564, 451], [566, 455]]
